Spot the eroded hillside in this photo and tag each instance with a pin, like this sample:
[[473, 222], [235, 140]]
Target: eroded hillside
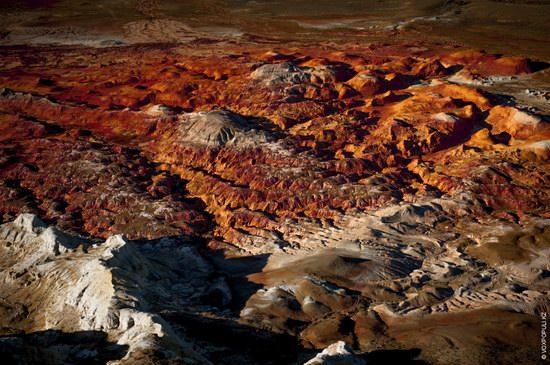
[[392, 197]]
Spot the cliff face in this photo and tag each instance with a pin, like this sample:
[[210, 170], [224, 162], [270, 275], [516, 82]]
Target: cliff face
[[392, 190]]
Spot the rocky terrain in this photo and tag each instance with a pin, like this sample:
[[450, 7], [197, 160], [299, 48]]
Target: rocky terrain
[[518, 27], [352, 204]]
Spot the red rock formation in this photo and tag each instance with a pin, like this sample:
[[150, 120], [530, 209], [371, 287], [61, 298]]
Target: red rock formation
[[335, 124], [292, 151]]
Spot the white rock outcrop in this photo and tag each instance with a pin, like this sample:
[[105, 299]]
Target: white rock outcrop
[[338, 353], [218, 128], [68, 284]]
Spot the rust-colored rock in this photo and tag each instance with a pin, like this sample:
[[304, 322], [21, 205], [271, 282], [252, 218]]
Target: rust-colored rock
[[353, 197]]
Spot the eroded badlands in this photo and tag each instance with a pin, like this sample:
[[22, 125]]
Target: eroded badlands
[[173, 204]]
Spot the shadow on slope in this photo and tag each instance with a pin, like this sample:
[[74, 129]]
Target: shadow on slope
[[58, 347]]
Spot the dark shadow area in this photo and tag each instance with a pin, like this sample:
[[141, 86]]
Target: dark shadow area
[[398, 98], [454, 69], [538, 65], [401, 357], [231, 342], [501, 99], [235, 271], [57, 347], [234, 342], [502, 137]]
